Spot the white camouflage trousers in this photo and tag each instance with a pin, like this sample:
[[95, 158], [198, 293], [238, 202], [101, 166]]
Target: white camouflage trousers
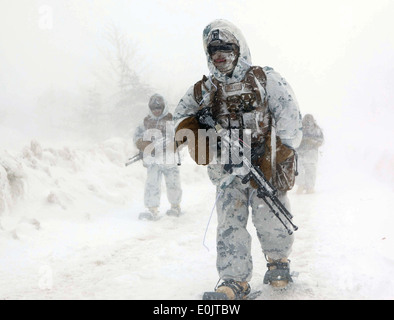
[[234, 260], [306, 175], [153, 185]]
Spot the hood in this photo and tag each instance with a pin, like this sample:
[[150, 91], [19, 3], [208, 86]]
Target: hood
[[165, 110], [227, 31], [309, 121]]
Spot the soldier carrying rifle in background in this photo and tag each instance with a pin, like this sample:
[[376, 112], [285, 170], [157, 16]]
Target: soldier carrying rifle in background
[[157, 123]]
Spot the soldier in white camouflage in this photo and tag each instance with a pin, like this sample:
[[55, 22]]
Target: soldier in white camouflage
[[244, 97], [154, 134], [308, 154]]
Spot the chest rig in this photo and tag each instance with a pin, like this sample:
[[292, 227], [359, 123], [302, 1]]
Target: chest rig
[[239, 105], [151, 123]]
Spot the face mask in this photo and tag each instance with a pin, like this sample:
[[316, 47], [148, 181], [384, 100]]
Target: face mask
[[225, 62]]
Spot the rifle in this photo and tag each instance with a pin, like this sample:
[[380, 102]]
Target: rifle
[[265, 189], [140, 155], [135, 158]]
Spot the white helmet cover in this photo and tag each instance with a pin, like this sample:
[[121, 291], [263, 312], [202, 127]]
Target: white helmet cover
[[229, 33]]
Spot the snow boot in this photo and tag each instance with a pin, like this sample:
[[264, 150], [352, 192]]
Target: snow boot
[[278, 273], [152, 214], [175, 211], [229, 290]]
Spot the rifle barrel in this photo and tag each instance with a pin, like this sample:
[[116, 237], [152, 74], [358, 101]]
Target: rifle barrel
[[133, 159]]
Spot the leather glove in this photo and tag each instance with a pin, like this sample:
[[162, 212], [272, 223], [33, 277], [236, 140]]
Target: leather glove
[[264, 162], [192, 125], [141, 144]]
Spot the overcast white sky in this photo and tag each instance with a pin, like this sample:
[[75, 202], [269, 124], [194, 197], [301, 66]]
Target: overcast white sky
[[333, 53]]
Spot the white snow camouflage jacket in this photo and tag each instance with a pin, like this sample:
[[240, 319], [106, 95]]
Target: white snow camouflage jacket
[[281, 99], [139, 132]]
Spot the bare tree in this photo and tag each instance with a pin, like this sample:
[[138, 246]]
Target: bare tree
[[128, 103], [111, 105]]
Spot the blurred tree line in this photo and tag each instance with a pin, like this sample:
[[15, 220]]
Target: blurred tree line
[[115, 102]]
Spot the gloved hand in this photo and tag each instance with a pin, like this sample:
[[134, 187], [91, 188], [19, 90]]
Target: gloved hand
[[264, 162], [157, 146], [141, 144], [190, 135]]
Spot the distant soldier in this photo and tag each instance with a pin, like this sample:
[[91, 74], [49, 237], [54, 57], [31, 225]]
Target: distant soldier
[[159, 118], [308, 154]]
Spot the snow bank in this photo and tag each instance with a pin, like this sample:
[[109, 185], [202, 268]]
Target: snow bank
[[75, 181], [69, 229]]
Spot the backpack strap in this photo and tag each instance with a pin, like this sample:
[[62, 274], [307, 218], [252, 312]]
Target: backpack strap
[[146, 122], [261, 77], [198, 90], [168, 117], [257, 73]]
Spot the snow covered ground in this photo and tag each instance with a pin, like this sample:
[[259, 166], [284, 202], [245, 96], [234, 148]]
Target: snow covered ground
[[69, 229], [69, 225]]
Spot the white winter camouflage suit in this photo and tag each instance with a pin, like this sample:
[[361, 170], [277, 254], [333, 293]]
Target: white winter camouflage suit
[[234, 259], [156, 169]]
